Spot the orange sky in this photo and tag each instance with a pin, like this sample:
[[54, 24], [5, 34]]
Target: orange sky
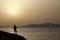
[[23, 12]]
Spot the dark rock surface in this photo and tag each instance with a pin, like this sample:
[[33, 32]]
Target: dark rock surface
[[9, 36]]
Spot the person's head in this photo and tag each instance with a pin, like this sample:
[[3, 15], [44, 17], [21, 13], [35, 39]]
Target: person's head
[[15, 25]]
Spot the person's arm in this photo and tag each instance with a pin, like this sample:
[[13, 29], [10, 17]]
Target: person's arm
[[16, 27]]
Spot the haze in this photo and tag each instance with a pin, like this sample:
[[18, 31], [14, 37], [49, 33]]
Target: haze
[[24, 12]]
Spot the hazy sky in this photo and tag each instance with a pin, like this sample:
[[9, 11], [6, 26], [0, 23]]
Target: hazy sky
[[24, 12]]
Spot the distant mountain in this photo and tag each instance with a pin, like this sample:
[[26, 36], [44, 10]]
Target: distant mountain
[[43, 25], [2, 26]]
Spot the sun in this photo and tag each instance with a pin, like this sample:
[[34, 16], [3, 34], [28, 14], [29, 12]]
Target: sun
[[13, 11]]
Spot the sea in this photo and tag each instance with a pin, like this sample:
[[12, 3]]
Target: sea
[[36, 33]]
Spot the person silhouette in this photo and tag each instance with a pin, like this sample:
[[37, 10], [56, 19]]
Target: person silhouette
[[15, 29]]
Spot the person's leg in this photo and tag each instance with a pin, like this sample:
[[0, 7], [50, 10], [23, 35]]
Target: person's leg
[[15, 31]]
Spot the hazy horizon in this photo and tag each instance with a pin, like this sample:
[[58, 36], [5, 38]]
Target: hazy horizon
[[24, 12]]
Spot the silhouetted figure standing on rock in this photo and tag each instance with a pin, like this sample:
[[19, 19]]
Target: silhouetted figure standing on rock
[[15, 29]]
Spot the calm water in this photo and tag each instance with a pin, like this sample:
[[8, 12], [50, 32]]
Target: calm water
[[37, 33]]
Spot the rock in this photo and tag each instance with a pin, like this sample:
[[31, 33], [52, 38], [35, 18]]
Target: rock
[[9, 36]]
